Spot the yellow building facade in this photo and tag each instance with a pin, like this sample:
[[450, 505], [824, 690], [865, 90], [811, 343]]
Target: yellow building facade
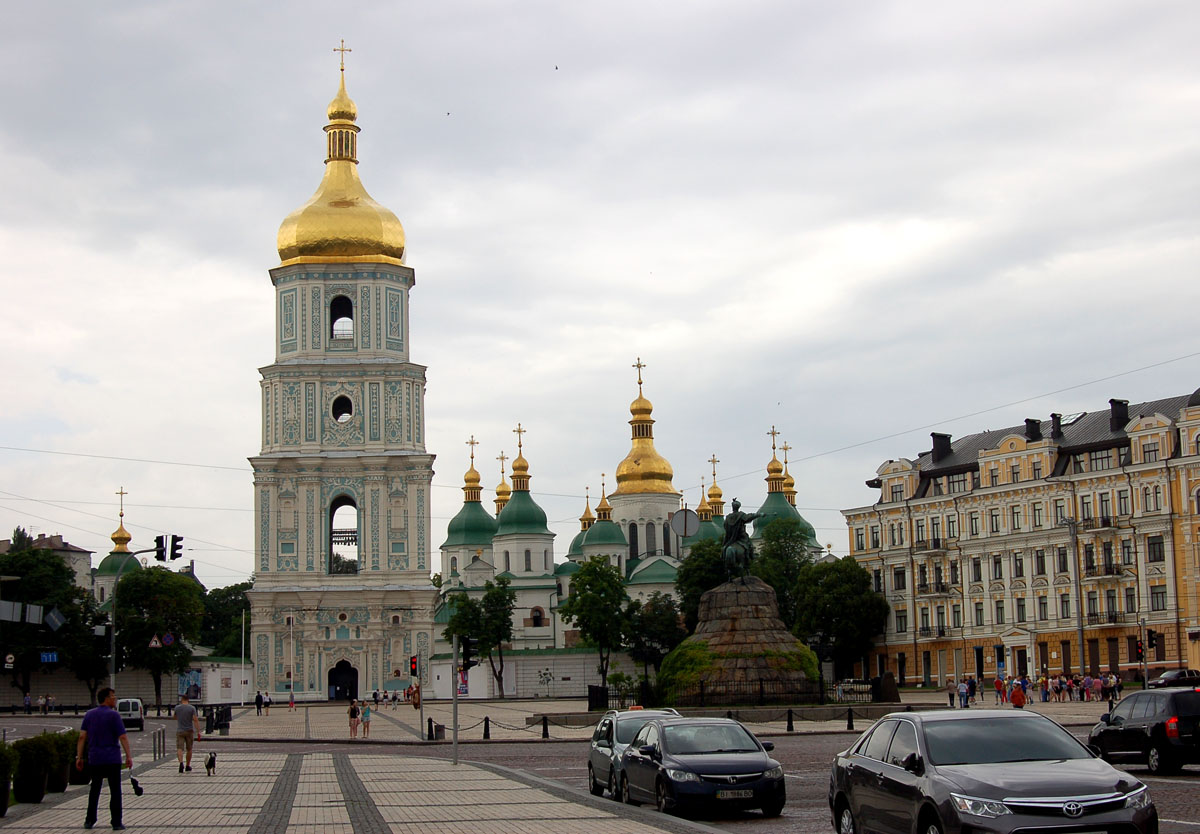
[[1037, 547]]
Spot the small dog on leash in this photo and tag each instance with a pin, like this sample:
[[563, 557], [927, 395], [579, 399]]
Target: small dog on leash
[[210, 764], [138, 790]]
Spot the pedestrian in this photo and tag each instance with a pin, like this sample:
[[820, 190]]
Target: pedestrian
[[999, 686], [972, 689], [28, 704], [187, 730], [964, 692], [366, 720], [103, 735], [42, 704], [266, 703], [291, 701], [1017, 698], [258, 701], [375, 698], [951, 690], [354, 714]]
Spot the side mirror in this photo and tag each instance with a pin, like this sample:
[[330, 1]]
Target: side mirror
[[912, 763], [1095, 751], [1104, 718], [767, 745], [648, 750]]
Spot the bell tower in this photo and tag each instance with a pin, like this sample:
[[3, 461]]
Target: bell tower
[[342, 595]]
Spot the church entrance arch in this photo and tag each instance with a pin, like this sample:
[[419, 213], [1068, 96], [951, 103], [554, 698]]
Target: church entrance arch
[[343, 681]]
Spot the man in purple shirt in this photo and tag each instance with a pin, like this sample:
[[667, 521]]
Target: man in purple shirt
[[103, 735]]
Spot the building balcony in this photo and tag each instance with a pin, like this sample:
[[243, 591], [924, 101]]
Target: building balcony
[[933, 631], [1108, 618], [932, 588], [1110, 570], [936, 543]]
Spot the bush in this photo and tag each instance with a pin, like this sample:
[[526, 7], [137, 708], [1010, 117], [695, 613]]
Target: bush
[[34, 756], [62, 747], [8, 761]]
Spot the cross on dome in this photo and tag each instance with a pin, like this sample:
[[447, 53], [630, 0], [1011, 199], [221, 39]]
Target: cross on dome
[[518, 431], [774, 434], [342, 49], [639, 364]]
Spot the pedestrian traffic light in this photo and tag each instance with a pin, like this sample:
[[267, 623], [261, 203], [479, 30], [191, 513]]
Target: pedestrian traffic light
[[470, 651], [1151, 638], [412, 665], [176, 547], [160, 548], [1141, 650]]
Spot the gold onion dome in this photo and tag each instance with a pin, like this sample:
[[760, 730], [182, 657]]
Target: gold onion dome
[[341, 222], [774, 467], [121, 537], [644, 470]]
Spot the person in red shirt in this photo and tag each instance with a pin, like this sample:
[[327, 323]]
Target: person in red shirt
[[1018, 697]]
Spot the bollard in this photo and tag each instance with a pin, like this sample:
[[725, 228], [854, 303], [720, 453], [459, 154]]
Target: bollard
[[791, 727], [729, 713], [487, 728], [430, 736], [545, 727], [850, 718]]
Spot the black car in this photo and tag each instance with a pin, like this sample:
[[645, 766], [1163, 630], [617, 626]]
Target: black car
[[1157, 726], [952, 771], [609, 740], [1175, 677], [701, 763]]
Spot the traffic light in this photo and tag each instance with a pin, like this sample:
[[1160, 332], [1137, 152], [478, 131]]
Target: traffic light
[[176, 547], [1141, 650], [1151, 638], [160, 548], [470, 651], [412, 665]]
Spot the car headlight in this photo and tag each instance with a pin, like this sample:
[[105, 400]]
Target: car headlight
[[678, 775], [774, 773], [978, 807], [1138, 799]]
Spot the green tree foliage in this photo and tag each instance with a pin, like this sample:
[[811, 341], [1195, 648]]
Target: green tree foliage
[[836, 598], [221, 627], [597, 597], [153, 603], [341, 565], [652, 629], [487, 619], [701, 571], [46, 580], [781, 555]]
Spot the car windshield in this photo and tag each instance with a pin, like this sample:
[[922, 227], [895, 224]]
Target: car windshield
[[1187, 703], [692, 739], [992, 740], [627, 728]]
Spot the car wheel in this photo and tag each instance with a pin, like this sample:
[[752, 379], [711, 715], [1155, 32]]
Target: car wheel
[[846, 821], [594, 787], [625, 797], [773, 809], [1161, 761], [662, 797], [613, 791]]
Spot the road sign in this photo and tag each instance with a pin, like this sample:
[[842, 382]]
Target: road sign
[[685, 523], [10, 658], [155, 643], [49, 657], [168, 639]]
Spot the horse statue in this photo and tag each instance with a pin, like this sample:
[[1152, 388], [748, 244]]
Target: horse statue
[[737, 548]]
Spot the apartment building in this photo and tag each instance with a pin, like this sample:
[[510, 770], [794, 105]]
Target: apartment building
[[1051, 546]]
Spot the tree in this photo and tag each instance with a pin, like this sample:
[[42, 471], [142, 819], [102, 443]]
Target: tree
[[594, 604], [88, 658], [221, 627], [487, 619], [783, 552], [652, 629], [339, 564], [45, 580], [835, 598], [153, 603], [701, 571]]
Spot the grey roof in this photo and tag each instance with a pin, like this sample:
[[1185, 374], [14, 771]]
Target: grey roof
[[1090, 429]]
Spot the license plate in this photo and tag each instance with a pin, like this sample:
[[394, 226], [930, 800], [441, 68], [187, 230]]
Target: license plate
[[738, 794]]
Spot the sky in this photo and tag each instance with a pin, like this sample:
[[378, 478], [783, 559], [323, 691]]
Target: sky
[[855, 222]]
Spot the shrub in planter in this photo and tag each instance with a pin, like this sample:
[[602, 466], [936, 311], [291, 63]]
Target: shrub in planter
[[76, 777], [8, 763], [62, 760], [33, 763]]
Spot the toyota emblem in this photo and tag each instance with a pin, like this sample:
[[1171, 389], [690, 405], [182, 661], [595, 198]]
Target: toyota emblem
[[1072, 808]]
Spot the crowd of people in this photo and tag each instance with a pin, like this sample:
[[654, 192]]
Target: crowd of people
[[1007, 689]]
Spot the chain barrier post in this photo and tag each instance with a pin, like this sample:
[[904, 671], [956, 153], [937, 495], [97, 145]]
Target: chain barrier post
[[545, 727], [487, 728], [791, 727], [850, 718], [429, 736]]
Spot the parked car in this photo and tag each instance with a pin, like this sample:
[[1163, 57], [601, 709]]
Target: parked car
[[1175, 677], [132, 712], [1157, 726], [692, 763], [609, 740], [949, 771]]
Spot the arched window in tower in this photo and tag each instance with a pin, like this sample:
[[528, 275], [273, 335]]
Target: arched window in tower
[[454, 564], [102, 587], [633, 541], [507, 564], [651, 544], [528, 561], [343, 409], [547, 560], [343, 536], [666, 538], [537, 617], [341, 318]]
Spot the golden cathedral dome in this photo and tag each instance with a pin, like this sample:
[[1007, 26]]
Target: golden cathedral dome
[[774, 467], [644, 470], [341, 222], [121, 537], [715, 493]]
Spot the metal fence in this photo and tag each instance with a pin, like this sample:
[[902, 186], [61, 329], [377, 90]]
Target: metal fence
[[733, 693]]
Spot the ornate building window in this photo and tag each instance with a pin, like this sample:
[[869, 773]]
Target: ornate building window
[[341, 318], [343, 536]]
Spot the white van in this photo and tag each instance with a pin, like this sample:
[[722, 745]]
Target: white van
[[132, 712]]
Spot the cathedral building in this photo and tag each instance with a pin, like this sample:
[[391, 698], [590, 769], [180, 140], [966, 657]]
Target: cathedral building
[[342, 595]]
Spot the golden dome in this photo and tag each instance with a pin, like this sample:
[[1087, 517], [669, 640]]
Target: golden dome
[[503, 488], [587, 518], [715, 493], [644, 470], [121, 537], [774, 467], [471, 478], [341, 222], [641, 407]]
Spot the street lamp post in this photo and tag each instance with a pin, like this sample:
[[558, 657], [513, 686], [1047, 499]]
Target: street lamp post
[[1073, 527]]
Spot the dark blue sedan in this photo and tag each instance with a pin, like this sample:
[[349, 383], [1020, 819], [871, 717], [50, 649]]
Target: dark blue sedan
[[701, 763]]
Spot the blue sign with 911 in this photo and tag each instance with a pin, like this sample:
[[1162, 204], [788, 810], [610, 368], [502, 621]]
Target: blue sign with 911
[[49, 657]]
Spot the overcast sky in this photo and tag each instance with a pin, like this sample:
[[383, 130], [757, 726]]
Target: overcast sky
[[858, 222]]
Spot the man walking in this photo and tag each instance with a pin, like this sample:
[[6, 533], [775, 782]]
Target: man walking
[[103, 735], [187, 730], [258, 702]]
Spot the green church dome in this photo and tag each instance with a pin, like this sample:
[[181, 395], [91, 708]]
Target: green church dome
[[472, 526], [113, 561], [576, 548], [522, 515], [777, 506], [606, 533]]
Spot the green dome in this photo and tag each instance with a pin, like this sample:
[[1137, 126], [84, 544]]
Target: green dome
[[707, 530], [777, 506], [472, 526], [566, 568], [522, 515], [576, 548], [113, 563], [605, 532]]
